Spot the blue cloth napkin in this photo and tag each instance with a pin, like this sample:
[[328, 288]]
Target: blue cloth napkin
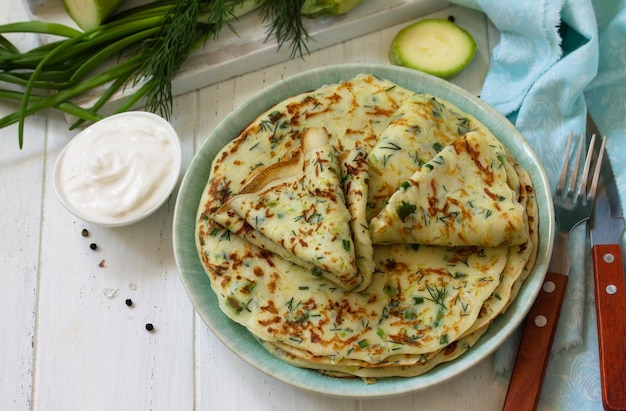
[[557, 59]]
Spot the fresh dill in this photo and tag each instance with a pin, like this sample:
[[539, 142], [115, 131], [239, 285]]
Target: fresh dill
[[149, 43], [286, 24]]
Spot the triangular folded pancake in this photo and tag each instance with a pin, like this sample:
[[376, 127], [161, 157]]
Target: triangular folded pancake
[[299, 206], [421, 127], [461, 197], [355, 177]]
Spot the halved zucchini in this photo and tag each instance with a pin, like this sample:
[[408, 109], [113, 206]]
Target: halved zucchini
[[435, 46], [89, 14]]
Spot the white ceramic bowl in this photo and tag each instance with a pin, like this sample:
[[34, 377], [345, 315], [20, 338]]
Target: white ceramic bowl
[[119, 170]]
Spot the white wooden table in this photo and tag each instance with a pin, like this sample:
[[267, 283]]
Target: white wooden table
[[67, 345]]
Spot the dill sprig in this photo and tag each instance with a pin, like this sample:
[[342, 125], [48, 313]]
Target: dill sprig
[[162, 59], [286, 24], [149, 42]]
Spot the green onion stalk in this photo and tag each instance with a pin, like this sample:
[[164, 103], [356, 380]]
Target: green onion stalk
[[149, 43]]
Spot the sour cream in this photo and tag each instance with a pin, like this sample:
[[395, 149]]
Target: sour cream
[[120, 169]]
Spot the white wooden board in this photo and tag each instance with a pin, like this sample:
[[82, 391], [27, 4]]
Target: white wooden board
[[249, 49]]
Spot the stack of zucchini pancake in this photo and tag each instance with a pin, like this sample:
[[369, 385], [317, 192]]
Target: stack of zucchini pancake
[[365, 230]]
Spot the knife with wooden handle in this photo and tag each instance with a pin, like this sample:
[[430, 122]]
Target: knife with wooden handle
[[534, 350], [607, 227]]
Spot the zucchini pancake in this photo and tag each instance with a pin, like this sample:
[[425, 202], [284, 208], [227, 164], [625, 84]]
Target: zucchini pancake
[[366, 231]]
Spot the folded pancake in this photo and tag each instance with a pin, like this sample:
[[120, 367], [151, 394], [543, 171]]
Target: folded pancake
[[520, 262], [355, 178], [228, 218], [461, 197], [422, 126], [299, 204]]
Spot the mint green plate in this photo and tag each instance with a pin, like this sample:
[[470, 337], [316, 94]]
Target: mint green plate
[[241, 342]]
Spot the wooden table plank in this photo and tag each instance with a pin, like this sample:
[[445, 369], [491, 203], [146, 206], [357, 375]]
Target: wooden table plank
[[21, 180], [21, 171]]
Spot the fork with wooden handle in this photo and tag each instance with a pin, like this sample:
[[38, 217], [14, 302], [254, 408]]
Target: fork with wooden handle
[[571, 207]]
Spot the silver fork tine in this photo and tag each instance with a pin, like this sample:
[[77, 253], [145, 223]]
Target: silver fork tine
[[582, 189], [561, 185], [596, 172], [574, 177]]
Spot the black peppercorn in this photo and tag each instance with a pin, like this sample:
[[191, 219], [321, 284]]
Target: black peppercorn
[[93, 246], [451, 19], [149, 327], [85, 232], [129, 302]]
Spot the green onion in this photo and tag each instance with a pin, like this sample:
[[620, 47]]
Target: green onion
[[346, 245], [405, 209], [364, 343], [149, 43]]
